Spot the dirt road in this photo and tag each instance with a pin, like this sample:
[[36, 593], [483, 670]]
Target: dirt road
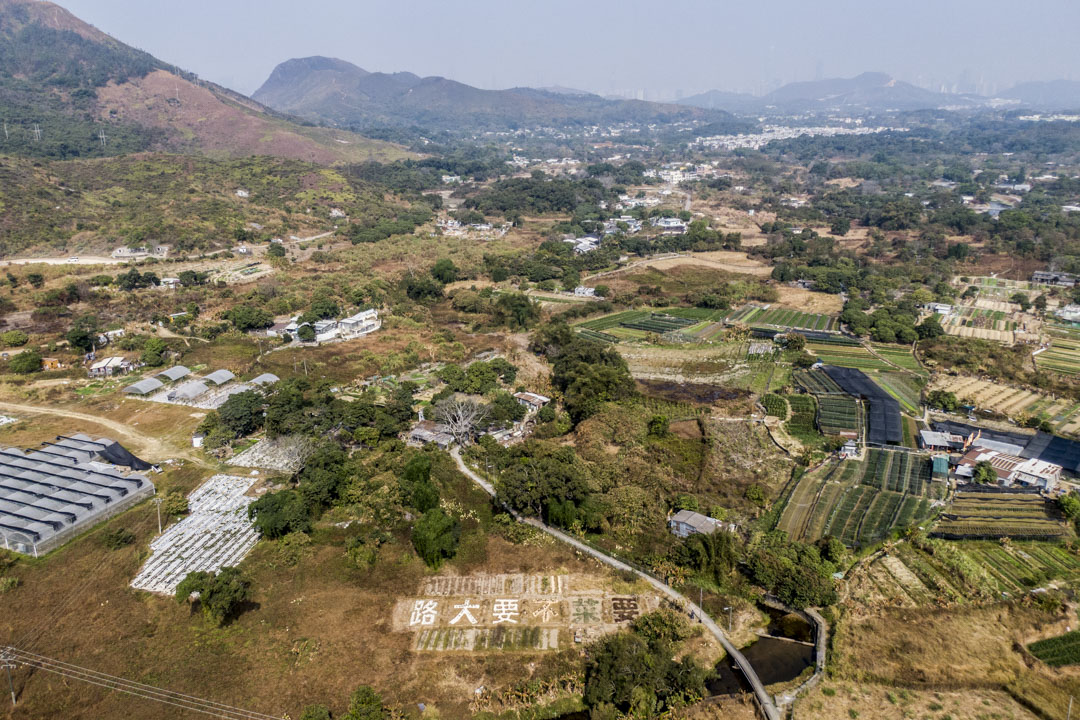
[[154, 450]]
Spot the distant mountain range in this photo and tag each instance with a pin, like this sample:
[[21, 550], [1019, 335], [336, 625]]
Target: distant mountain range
[[333, 91], [69, 90], [874, 92], [1053, 95]]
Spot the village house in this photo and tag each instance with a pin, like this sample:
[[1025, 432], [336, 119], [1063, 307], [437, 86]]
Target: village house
[[533, 401], [1049, 277], [1011, 469], [51, 363], [687, 522], [107, 367], [669, 225]]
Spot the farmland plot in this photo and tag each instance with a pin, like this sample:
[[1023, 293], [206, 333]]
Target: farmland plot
[[862, 501], [1062, 414], [978, 515]]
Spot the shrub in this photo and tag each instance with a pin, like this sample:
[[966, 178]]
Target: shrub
[[14, 338], [221, 596], [26, 362], [435, 537], [117, 538]]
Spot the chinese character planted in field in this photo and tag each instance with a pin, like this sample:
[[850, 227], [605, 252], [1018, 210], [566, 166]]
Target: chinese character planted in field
[[505, 611], [423, 612], [584, 611], [624, 609], [465, 609], [548, 609]]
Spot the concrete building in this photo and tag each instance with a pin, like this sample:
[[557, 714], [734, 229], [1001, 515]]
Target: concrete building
[[533, 401], [1011, 469], [687, 522], [107, 367], [1049, 277]]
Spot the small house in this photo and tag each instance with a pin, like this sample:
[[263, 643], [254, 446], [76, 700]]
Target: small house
[[687, 522], [51, 363], [428, 432], [533, 401], [107, 367]]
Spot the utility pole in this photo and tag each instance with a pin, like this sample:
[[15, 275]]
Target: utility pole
[[8, 664], [101, 137], [728, 608], [1067, 717], [157, 501], [37, 133]]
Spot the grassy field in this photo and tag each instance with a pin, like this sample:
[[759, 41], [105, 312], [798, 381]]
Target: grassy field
[[313, 615]]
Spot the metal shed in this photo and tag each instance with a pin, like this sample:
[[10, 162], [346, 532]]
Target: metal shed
[[174, 373], [188, 391], [219, 377], [144, 387], [265, 379]]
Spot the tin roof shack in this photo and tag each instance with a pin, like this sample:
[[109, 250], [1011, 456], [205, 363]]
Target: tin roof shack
[[49, 495], [428, 431], [1011, 469], [941, 441]]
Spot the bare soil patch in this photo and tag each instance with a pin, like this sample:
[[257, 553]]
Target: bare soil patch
[[809, 301]]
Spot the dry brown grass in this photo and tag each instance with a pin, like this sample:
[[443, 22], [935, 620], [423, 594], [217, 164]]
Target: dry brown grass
[[316, 631], [874, 702], [962, 650], [808, 301]]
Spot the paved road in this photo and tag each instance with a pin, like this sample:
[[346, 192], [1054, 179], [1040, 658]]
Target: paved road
[[765, 701]]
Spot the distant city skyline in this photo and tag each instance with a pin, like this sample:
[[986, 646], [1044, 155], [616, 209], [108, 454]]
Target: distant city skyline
[[629, 48]]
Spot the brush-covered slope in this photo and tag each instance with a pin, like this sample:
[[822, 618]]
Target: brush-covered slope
[[63, 84]]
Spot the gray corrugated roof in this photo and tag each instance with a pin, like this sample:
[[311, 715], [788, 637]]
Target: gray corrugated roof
[[265, 379], [143, 387], [219, 377], [189, 390], [174, 373]]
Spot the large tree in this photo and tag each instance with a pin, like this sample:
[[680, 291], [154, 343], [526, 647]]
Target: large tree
[[461, 414]]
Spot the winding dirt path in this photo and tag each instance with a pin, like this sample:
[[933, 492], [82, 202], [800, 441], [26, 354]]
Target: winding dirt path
[[152, 447]]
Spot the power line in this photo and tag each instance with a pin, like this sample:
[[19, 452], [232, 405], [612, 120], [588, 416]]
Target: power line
[[137, 689]]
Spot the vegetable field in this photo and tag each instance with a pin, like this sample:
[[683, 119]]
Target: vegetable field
[[979, 515], [785, 318], [838, 414], [854, 356], [1058, 651], [924, 573], [775, 405], [861, 501], [1063, 355]]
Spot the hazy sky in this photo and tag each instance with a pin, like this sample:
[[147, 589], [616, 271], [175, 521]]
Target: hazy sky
[[659, 48]]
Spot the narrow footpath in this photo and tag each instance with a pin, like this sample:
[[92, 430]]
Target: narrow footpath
[[765, 701]]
